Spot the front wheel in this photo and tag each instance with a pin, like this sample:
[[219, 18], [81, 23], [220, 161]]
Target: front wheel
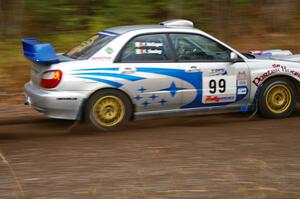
[[108, 109], [277, 98]]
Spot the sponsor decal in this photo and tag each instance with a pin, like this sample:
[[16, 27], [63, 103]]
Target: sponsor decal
[[148, 48], [242, 78], [101, 58], [148, 44], [242, 91], [295, 73], [218, 99], [212, 99], [147, 51], [258, 80], [242, 82], [216, 72], [242, 75], [109, 50], [276, 68], [219, 89]]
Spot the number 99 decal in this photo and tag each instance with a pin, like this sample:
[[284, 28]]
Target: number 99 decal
[[214, 86], [218, 89]]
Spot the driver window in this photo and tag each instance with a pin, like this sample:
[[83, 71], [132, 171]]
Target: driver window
[[190, 47]]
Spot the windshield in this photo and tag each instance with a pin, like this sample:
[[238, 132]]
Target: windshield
[[89, 47]]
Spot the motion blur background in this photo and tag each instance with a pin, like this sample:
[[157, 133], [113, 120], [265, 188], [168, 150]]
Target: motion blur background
[[243, 24]]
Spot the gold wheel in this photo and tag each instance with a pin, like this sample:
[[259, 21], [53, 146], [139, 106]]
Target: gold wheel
[[279, 98], [108, 111]]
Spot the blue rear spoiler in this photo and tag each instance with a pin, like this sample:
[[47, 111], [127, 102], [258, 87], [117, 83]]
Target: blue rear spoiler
[[42, 53]]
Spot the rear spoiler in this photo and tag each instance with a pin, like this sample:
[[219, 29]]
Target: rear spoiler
[[41, 53]]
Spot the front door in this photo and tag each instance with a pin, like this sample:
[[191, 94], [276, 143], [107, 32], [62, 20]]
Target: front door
[[214, 80]]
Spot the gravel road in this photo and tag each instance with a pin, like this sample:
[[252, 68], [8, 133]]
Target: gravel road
[[223, 156]]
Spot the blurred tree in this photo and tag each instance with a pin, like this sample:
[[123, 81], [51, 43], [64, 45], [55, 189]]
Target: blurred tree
[[1, 19], [224, 18], [245, 23], [11, 15], [277, 14]]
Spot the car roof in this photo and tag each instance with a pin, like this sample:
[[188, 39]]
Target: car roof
[[124, 29], [171, 24]]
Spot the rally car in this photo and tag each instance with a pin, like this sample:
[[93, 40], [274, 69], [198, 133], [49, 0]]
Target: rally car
[[130, 72]]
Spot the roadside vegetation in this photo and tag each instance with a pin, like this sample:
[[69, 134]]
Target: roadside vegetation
[[244, 24]]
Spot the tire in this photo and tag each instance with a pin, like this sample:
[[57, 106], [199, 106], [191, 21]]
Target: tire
[[277, 98], [108, 109]]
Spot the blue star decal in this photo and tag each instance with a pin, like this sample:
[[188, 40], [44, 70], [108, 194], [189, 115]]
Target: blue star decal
[[145, 104], [138, 98], [153, 97], [173, 89], [142, 89], [163, 101]]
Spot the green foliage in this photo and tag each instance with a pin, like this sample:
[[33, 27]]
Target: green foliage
[[242, 1], [65, 23]]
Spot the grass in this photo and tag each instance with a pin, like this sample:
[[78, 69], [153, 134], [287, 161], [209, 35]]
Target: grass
[[15, 69]]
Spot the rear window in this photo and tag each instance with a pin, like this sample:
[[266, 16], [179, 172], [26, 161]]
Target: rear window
[[89, 47]]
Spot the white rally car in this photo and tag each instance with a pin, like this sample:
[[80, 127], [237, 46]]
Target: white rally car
[[130, 72]]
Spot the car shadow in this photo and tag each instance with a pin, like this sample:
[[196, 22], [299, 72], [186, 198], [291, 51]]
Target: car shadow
[[30, 128]]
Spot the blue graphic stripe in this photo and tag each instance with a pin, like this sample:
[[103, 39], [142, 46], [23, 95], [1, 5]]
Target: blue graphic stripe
[[122, 76], [112, 83], [193, 78], [173, 89]]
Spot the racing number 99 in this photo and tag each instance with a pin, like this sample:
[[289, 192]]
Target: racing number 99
[[221, 87]]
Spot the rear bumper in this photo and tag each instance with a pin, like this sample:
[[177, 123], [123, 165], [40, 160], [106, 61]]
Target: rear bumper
[[54, 104]]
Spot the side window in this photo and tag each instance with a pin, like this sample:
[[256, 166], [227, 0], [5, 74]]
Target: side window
[[147, 48], [189, 47]]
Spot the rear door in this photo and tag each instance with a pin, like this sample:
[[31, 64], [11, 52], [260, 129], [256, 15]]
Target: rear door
[[214, 80], [148, 57]]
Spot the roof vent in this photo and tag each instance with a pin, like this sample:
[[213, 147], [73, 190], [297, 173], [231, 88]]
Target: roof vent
[[178, 23]]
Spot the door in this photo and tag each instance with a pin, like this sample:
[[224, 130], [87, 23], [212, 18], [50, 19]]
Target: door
[[148, 58], [214, 80]]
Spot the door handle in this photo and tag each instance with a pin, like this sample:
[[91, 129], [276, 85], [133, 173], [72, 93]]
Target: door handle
[[192, 69], [127, 70]]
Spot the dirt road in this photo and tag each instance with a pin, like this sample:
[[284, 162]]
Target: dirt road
[[222, 156]]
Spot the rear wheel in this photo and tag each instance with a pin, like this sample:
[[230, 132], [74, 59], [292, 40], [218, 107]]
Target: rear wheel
[[277, 98], [108, 109]]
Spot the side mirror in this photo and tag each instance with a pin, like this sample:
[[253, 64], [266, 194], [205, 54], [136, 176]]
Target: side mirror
[[234, 57]]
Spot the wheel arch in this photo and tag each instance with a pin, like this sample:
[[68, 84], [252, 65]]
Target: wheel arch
[[293, 80], [85, 101]]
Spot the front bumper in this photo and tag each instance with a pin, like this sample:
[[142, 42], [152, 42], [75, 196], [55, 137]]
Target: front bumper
[[53, 103]]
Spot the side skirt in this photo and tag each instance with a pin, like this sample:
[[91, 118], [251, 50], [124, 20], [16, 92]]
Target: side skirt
[[187, 112]]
